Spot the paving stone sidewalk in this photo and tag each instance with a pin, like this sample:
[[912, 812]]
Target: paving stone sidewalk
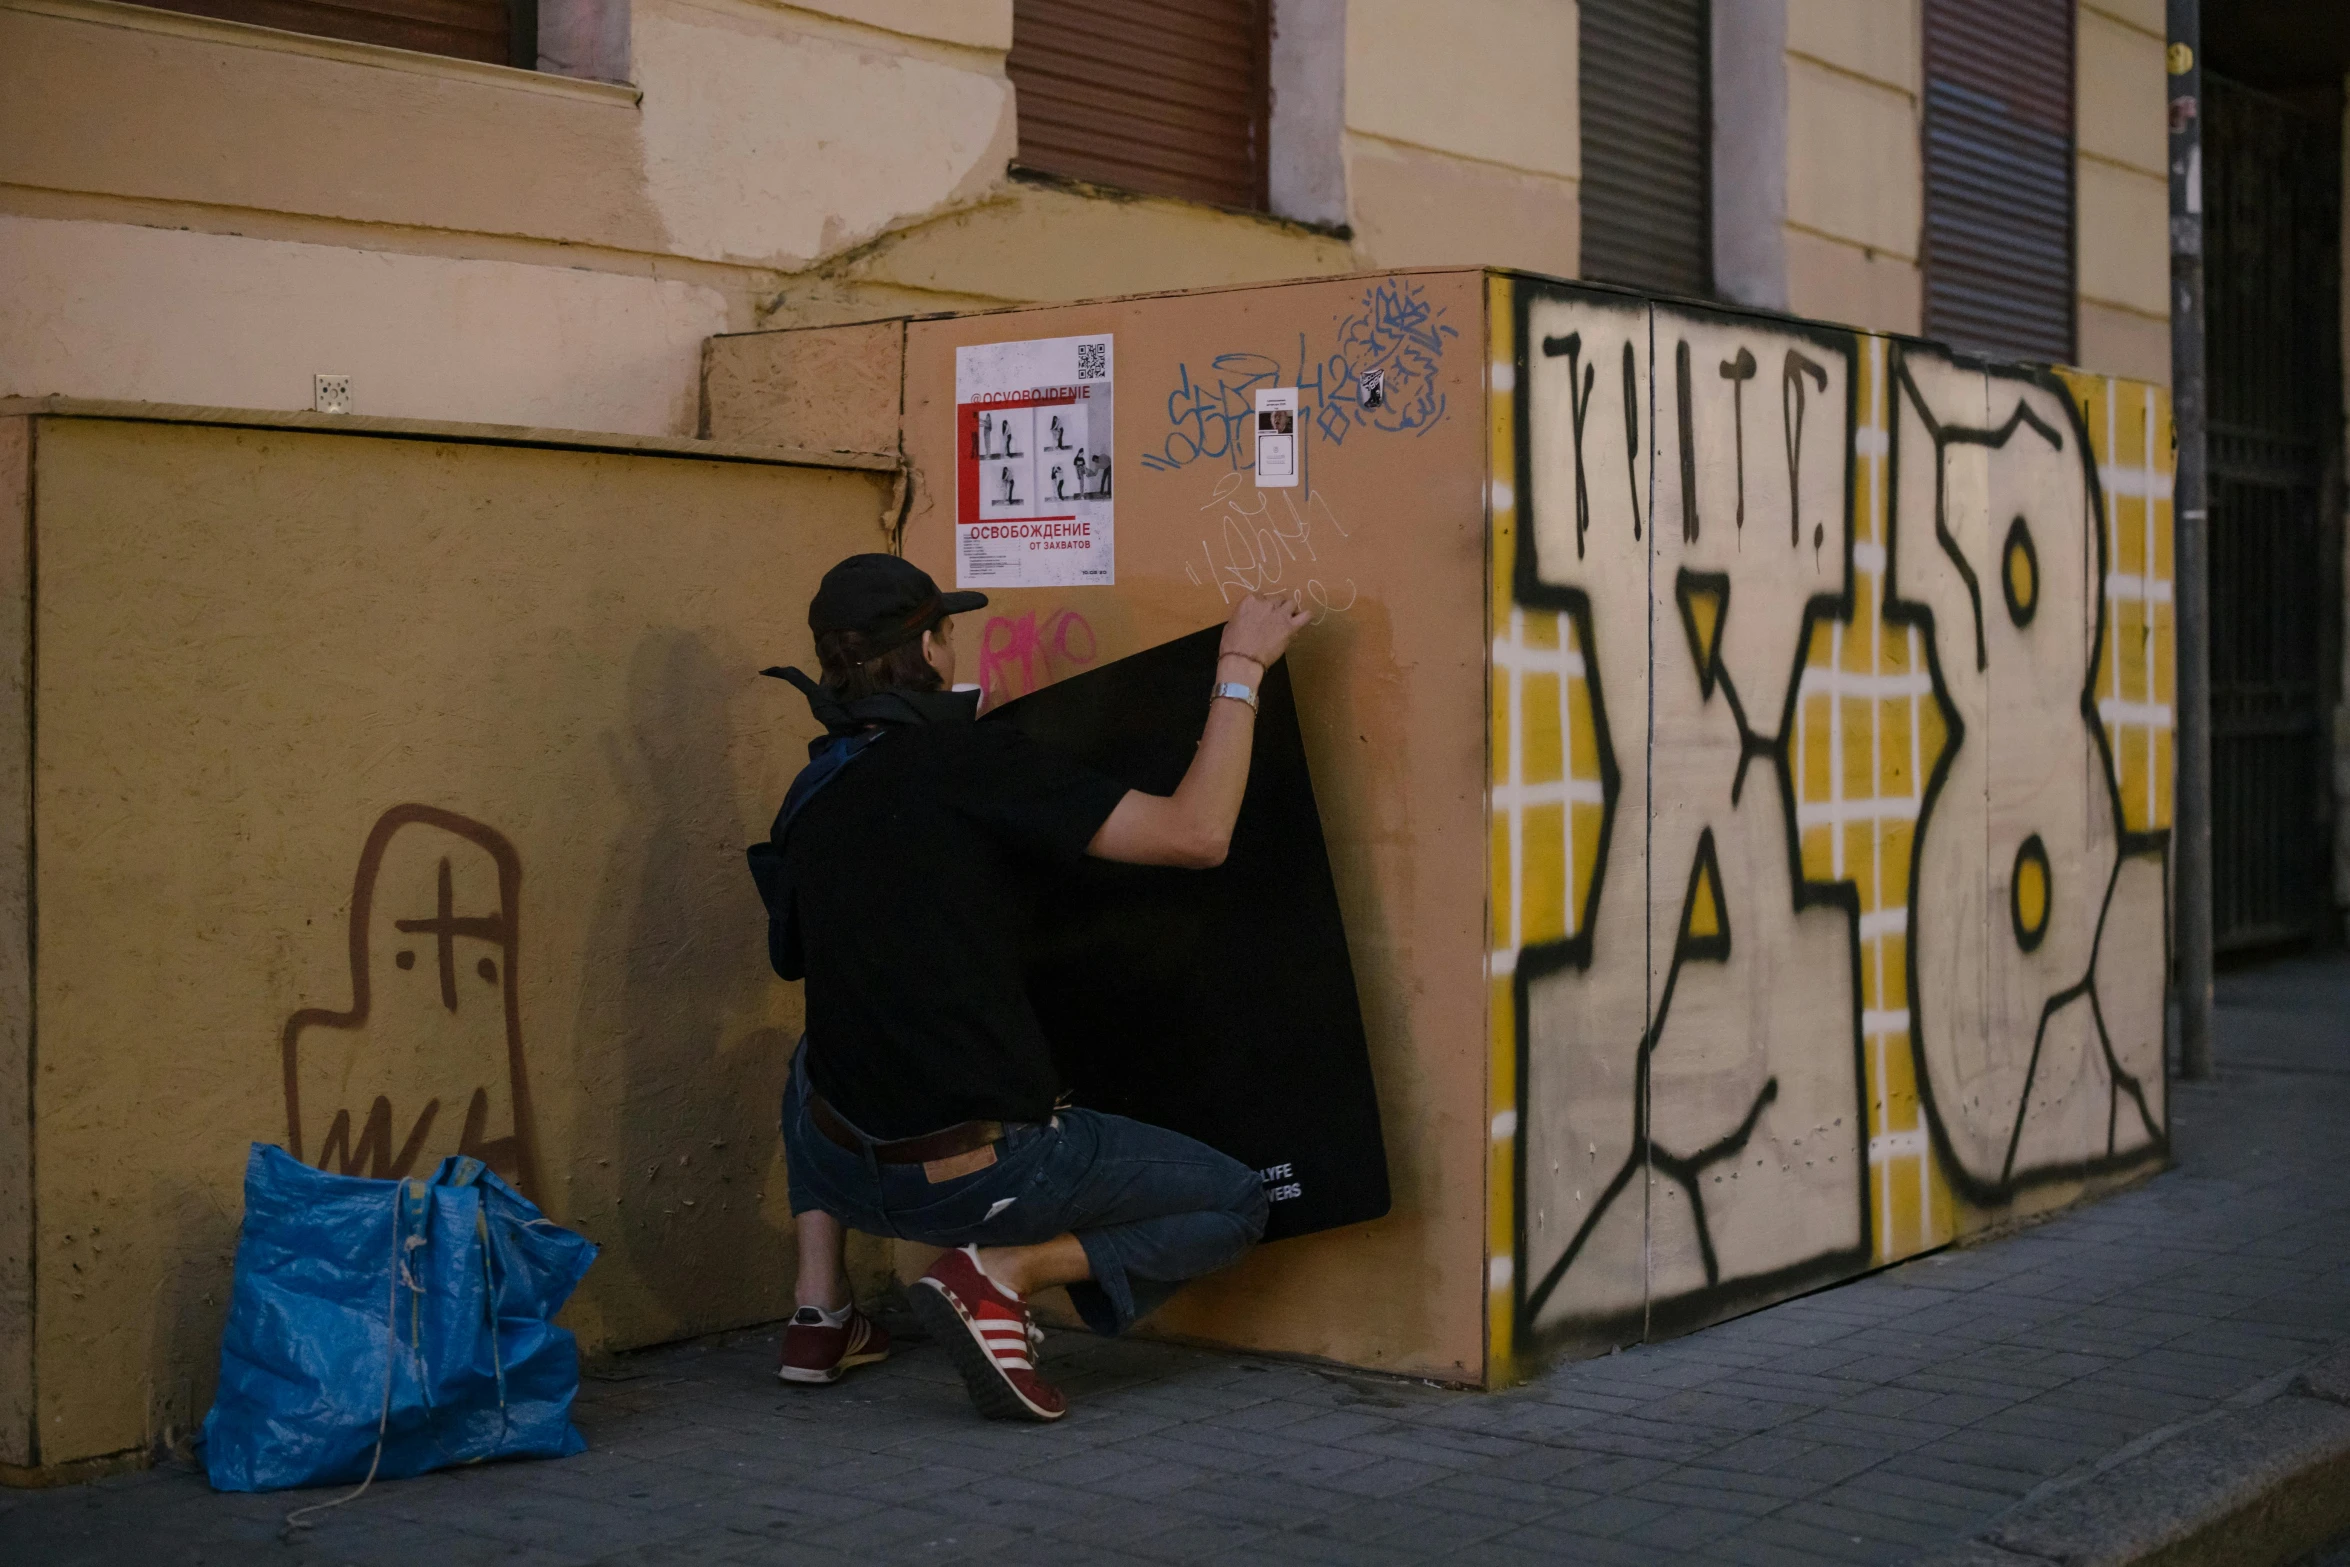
[[1868, 1423]]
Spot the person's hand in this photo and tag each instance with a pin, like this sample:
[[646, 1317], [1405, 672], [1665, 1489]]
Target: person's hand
[[1261, 626]]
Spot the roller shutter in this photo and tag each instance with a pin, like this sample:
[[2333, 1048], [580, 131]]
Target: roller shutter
[[1167, 97], [1647, 133], [499, 32], [1999, 176]]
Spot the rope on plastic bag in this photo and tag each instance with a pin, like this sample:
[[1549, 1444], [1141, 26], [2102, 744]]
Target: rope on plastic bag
[[489, 1279], [299, 1518]]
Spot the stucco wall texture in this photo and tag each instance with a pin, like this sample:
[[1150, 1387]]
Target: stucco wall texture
[[401, 784]]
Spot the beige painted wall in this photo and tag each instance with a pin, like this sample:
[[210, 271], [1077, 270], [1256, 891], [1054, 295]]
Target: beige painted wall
[[215, 208], [1463, 139], [708, 159], [1855, 179], [105, 310], [734, 105], [213, 213], [2122, 199], [255, 644], [16, 1034], [233, 209], [1041, 241]]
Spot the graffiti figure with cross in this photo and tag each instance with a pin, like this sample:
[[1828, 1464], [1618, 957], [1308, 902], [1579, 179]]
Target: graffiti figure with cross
[[427, 1060]]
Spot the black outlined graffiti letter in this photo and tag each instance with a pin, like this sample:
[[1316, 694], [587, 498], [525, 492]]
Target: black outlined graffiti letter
[[1632, 436], [1738, 371], [1791, 376], [1579, 379], [1682, 391]]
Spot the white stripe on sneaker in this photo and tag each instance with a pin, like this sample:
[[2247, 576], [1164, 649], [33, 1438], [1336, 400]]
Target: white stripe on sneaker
[[991, 1337]]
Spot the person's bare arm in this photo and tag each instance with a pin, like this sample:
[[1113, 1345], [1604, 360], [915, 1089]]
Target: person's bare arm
[[1193, 826]]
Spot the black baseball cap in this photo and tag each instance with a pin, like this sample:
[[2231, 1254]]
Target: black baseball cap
[[887, 600]]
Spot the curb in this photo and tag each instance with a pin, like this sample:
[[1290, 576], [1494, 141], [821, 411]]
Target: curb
[[2255, 1487]]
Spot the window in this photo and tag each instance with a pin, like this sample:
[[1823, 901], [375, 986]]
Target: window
[[1647, 176], [1999, 176], [1167, 97], [501, 32]]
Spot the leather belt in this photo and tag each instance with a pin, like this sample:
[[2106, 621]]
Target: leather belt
[[961, 1138]]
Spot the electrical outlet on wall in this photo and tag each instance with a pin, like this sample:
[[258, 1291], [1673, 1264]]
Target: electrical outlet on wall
[[330, 394]]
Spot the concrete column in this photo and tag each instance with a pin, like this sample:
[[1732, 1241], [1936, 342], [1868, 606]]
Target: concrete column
[[18, 1438], [1307, 174], [1750, 151]]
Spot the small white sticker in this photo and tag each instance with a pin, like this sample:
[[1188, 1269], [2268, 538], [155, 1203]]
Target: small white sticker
[[1277, 438], [1033, 428]]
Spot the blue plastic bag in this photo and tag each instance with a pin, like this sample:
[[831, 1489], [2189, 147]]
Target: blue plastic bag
[[413, 1314]]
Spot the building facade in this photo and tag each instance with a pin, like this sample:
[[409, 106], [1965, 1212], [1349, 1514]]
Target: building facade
[[538, 217], [379, 343], [212, 212]]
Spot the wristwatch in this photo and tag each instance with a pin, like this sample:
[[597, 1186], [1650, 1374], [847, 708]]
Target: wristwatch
[[1238, 692]]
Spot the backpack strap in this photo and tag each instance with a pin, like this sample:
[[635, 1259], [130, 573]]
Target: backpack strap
[[828, 758]]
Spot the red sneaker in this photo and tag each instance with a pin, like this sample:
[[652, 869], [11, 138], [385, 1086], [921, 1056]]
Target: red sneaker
[[816, 1352], [989, 1336]]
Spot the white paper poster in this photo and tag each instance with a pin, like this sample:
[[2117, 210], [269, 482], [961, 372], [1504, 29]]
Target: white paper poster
[[1277, 438], [1033, 425]]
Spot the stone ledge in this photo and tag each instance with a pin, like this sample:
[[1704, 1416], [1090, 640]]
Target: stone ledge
[[2253, 1487], [447, 430]]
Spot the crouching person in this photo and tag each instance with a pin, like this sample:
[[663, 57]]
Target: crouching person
[[923, 1102]]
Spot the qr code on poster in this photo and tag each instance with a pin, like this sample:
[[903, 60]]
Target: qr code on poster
[[1093, 361]]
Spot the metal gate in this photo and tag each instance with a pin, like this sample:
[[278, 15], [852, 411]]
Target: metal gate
[[2272, 269]]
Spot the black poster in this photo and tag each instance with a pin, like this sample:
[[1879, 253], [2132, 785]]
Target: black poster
[[1218, 1003]]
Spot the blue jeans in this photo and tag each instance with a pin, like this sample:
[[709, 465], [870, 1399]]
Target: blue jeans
[[1151, 1207]]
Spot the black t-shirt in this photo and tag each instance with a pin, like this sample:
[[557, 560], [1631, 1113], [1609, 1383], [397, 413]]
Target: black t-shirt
[[916, 873]]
